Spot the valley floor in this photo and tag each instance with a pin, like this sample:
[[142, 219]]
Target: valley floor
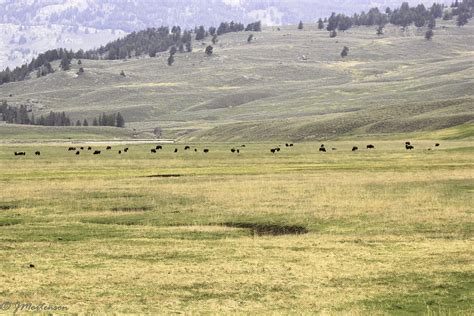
[[381, 231]]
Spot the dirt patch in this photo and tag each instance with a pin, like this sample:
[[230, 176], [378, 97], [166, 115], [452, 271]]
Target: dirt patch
[[165, 176], [132, 209], [270, 229]]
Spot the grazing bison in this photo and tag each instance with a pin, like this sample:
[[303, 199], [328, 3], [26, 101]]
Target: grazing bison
[[437, 145], [78, 153], [206, 151], [232, 150], [126, 150], [20, 153], [322, 149], [291, 145], [97, 152], [153, 151], [370, 147], [355, 148], [238, 151], [38, 153], [159, 147], [409, 147], [109, 148], [273, 150], [242, 146], [277, 149], [119, 152], [195, 150], [89, 148], [334, 148], [71, 148], [407, 143], [82, 148], [187, 148], [176, 150]]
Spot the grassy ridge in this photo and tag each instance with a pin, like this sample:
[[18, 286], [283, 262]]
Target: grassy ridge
[[389, 231], [395, 83]]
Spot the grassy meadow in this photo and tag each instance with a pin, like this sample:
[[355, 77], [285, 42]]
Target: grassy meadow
[[385, 231]]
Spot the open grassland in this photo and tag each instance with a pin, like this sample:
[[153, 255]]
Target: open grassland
[[287, 84], [381, 231], [21, 133]]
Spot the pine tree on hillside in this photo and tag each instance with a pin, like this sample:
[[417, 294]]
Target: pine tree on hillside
[[65, 63], [209, 50], [85, 123], [320, 24], [78, 123], [171, 60], [380, 30], [429, 35], [345, 52], [189, 47], [200, 33], [120, 120], [300, 25]]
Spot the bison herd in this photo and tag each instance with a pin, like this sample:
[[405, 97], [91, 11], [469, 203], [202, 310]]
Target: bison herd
[[234, 150]]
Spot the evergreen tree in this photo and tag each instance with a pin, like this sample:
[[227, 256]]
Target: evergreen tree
[[250, 38], [95, 122], [65, 63], [78, 123], [189, 47], [320, 24], [432, 23], [429, 35], [120, 120], [200, 33], [300, 25], [345, 52], [171, 60], [463, 18], [209, 50], [214, 39], [85, 123], [332, 34]]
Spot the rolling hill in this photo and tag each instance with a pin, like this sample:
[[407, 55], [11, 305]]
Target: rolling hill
[[287, 84]]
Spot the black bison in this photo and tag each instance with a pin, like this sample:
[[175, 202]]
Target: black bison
[[195, 150], [322, 149], [287, 145], [334, 148], [238, 151], [159, 147], [187, 148], [370, 147], [89, 148], [20, 153], [71, 148], [277, 149], [153, 151], [176, 150], [242, 146], [437, 145], [355, 148], [119, 152], [82, 148], [78, 152], [233, 150], [273, 150], [409, 147], [206, 150], [38, 153], [97, 152], [126, 150], [407, 143], [291, 145], [109, 148]]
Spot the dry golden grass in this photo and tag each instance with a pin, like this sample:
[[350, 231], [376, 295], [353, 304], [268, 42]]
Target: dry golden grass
[[389, 231]]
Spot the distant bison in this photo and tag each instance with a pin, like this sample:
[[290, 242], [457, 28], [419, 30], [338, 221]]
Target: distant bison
[[437, 145], [370, 147], [20, 153], [71, 148], [195, 150], [407, 143], [78, 152], [153, 151], [126, 150], [119, 152], [159, 147], [97, 152], [233, 150], [82, 148], [89, 148], [322, 149], [176, 150], [206, 150], [38, 153], [187, 148], [355, 148], [409, 147], [273, 150], [109, 148]]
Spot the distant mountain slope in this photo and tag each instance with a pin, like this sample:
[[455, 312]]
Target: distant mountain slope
[[287, 84], [31, 27]]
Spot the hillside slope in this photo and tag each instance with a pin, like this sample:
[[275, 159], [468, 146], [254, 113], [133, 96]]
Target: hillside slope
[[287, 84]]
